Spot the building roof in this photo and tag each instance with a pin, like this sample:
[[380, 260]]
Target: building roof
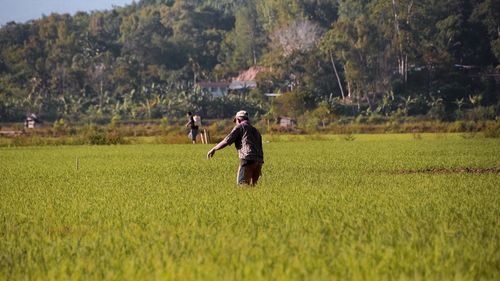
[[207, 84], [244, 84]]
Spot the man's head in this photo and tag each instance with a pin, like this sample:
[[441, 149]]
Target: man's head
[[189, 113], [240, 116]]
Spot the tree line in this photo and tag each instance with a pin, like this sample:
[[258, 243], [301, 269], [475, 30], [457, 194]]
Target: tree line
[[436, 58]]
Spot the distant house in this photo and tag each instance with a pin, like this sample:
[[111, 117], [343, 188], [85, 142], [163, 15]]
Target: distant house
[[248, 79], [285, 122], [242, 84], [32, 122], [217, 89]]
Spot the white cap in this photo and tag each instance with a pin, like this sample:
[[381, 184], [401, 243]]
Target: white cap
[[241, 114]]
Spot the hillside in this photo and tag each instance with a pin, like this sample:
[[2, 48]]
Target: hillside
[[433, 58]]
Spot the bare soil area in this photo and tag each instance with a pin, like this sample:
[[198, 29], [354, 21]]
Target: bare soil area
[[458, 170]]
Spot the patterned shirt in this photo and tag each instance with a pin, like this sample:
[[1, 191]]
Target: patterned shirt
[[247, 141]]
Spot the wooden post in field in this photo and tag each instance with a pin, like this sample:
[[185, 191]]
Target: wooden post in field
[[203, 139], [207, 136], [77, 163]]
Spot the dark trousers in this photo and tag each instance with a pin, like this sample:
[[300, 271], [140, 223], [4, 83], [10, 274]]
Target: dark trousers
[[192, 134], [249, 172]]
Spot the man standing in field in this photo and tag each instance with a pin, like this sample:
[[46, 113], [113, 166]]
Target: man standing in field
[[248, 143], [193, 128]]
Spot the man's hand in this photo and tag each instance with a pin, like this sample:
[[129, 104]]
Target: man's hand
[[211, 153], [220, 145]]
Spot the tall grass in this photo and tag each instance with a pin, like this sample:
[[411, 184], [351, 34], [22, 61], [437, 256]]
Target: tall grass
[[325, 209]]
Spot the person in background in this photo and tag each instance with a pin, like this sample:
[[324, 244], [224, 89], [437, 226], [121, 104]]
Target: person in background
[[193, 131], [248, 143]]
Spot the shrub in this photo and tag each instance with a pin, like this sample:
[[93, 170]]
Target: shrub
[[492, 129], [376, 119], [309, 122], [437, 112], [114, 137], [59, 127], [463, 126], [98, 137], [348, 137], [360, 119], [481, 113]]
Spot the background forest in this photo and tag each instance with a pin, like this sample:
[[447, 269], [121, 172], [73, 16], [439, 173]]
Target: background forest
[[432, 58]]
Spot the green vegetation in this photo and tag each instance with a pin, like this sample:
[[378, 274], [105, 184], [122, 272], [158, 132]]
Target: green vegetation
[[370, 58], [154, 132], [327, 208]]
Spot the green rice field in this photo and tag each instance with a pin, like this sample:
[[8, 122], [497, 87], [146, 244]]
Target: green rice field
[[364, 207]]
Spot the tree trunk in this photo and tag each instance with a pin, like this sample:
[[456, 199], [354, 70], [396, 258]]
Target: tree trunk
[[401, 60], [349, 91], [100, 95], [406, 68], [337, 75], [408, 22]]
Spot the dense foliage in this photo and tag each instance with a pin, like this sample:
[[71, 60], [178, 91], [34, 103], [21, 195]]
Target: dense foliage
[[142, 61]]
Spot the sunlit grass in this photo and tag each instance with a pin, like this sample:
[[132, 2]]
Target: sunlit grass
[[325, 209]]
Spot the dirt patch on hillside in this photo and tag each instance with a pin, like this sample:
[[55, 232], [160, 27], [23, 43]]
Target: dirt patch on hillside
[[251, 73], [459, 170]]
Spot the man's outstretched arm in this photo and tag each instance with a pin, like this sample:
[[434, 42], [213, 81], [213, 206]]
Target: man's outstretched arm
[[219, 146]]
